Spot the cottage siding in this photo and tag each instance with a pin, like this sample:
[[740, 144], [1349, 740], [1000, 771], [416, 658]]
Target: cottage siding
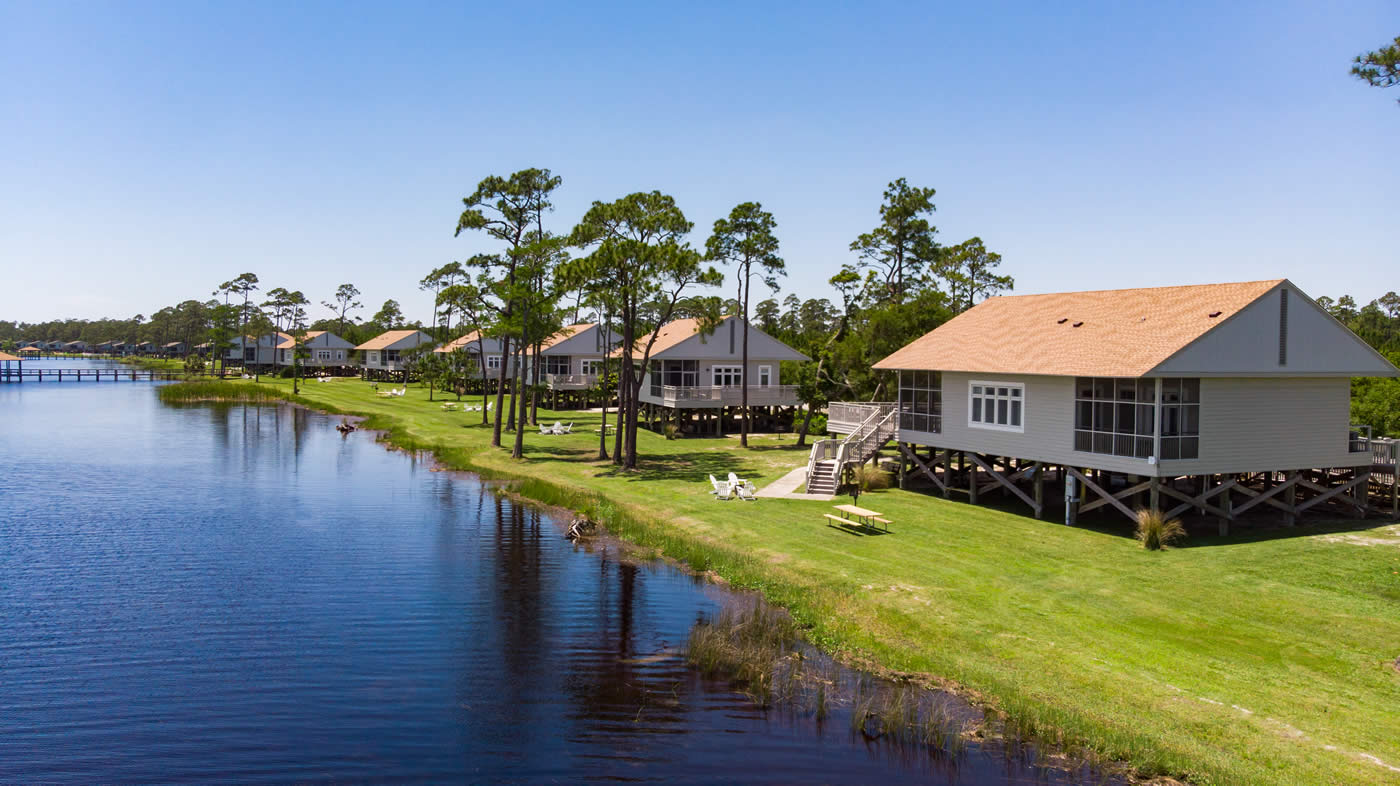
[[1248, 344], [1048, 421], [588, 344], [1247, 424], [1252, 425], [706, 379]]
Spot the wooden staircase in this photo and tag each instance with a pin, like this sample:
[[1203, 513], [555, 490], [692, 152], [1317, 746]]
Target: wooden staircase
[[830, 457], [822, 478]]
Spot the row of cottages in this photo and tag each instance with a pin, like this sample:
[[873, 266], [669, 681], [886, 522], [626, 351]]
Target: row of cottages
[[1219, 398], [695, 377]]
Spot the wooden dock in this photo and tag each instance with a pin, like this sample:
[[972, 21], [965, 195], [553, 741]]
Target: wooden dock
[[89, 374]]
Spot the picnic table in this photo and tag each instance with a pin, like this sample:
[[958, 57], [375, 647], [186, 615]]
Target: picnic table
[[856, 516]]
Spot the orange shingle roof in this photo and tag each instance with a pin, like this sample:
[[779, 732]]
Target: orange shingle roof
[[459, 342], [1120, 332], [565, 333], [386, 338], [291, 341], [672, 333]]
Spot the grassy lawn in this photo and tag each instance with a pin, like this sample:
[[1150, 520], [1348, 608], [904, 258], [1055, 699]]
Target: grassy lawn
[[1260, 658]]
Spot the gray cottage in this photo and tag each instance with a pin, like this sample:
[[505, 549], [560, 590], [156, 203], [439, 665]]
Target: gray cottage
[[383, 353], [694, 374], [1217, 398], [322, 349], [573, 358], [485, 352]]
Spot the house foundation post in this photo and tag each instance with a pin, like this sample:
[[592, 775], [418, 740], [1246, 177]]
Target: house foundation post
[[1227, 505], [971, 477], [1289, 497], [1039, 481]]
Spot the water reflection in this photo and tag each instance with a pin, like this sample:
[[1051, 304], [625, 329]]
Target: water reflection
[[260, 599]]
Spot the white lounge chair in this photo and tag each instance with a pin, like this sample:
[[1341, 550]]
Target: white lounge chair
[[557, 428], [735, 480], [722, 490], [546, 429], [568, 428], [746, 491]]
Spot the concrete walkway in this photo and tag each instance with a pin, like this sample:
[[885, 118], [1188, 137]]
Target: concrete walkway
[[786, 488]]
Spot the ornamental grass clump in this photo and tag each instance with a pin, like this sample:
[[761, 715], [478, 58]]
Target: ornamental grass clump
[[872, 478], [1155, 531]]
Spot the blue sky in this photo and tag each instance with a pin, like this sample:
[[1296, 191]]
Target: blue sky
[[153, 150]]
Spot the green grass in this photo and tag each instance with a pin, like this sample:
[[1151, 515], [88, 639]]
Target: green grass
[[1236, 660]]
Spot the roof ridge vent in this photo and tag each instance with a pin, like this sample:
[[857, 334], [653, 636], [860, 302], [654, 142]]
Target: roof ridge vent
[[1061, 320], [1077, 324], [1215, 314]]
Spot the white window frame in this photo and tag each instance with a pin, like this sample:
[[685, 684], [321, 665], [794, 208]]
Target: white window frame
[[591, 367], [493, 362], [1010, 386], [372, 357], [765, 376], [323, 354], [728, 371]]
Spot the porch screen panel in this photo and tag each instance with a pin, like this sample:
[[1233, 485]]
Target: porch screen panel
[[556, 364], [921, 401], [1113, 416]]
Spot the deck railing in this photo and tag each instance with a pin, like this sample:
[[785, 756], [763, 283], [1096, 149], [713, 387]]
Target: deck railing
[[1359, 439], [759, 396], [842, 417], [1385, 451], [575, 381]]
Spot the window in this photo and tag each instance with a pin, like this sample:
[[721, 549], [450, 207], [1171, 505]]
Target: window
[[323, 354], [556, 364], [493, 362], [249, 353], [728, 376], [372, 358], [391, 356], [921, 401], [591, 367], [765, 376], [995, 405], [1116, 416], [1181, 419]]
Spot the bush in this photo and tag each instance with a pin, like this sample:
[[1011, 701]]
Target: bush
[[872, 478], [285, 372], [1155, 531], [194, 364], [818, 425], [671, 430]]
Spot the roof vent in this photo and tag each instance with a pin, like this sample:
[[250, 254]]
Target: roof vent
[[1214, 314], [1077, 324], [1061, 320]]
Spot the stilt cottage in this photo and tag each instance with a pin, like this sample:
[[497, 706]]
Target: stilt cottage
[[1219, 398]]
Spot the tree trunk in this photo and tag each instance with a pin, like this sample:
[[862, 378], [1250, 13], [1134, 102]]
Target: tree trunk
[[744, 375], [806, 423], [535, 386], [500, 391]]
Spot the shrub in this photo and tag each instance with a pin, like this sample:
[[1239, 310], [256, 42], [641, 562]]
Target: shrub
[[818, 425], [872, 478], [671, 430], [1155, 531], [194, 364]]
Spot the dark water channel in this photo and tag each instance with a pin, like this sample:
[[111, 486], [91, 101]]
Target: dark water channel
[[239, 593]]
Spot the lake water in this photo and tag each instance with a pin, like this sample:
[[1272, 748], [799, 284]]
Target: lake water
[[241, 593]]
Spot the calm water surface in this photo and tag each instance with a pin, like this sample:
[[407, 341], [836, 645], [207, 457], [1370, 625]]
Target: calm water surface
[[240, 593]]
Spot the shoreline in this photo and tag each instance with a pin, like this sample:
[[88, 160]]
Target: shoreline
[[638, 538]]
